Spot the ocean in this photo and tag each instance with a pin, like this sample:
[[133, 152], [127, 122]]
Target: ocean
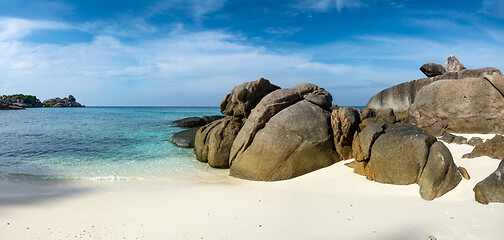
[[96, 143]]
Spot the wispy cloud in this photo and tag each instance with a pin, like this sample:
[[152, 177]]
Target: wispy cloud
[[494, 8], [198, 9], [326, 5], [16, 28], [283, 30]]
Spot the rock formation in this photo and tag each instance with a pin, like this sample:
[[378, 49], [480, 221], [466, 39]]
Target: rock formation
[[69, 101], [192, 122], [184, 139], [493, 148], [491, 189], [213, 142], [243, 98], [286, 135], [404, 154], [468, 105], [19, 101], [401, 96], [345, 123], [432, 69]]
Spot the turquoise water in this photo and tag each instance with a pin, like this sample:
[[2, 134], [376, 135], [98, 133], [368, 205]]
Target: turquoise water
[[96, 143]]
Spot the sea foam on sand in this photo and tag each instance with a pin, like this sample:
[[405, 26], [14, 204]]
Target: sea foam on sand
[[331, 203]]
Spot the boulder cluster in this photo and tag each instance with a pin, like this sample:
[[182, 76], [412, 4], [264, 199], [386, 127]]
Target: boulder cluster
[[271, 134]]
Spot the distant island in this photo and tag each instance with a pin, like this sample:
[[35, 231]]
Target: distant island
[[21, 101]]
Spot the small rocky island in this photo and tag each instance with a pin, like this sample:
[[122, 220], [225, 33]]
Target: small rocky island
[[272, 134], [21, 101]]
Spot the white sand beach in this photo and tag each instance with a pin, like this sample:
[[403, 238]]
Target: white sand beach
[[331, 203]]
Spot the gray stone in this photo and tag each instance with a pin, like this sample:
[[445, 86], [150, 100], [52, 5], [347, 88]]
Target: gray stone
[[440, 173], [452, 64], [190, 122], [464, 173], [475, 141], [468, 105], [287, 135], [184, 138], [214, 140], [399, 155], [493, 148], [243, 98], [491, 189], [432, 69], [345, 123], [364, 140], [447, 137]]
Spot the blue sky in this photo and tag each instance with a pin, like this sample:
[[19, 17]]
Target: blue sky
[[193, 52]]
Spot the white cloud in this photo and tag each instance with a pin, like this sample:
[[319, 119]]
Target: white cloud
[[494, 8], [185, 68], [16, 28]]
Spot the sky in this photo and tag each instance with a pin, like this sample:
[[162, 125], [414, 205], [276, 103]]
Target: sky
[[193, 52]]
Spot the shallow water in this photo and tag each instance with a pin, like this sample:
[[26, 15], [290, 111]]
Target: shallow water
[[96, 143]]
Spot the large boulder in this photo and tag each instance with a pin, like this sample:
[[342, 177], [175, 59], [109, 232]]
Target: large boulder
[[287, 135], [493, 148], [243, 98], [345, 123], [491, 189], [401, 96], [184, 139], [214, 140], [468, 105], [432, 69], [399, 155], [364, 140], [440, 174], [406, 154]]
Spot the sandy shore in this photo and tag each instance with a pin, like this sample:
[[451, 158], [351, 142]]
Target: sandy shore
[[332, 203]]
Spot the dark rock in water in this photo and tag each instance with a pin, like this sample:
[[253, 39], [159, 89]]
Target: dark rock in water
[[345, 123], [184, 138], [491, 189], [493, 148], [468, 105], [243, 98], [214, 140], [69, 101], [452, 64], [287, 135], [209, 119], [190, 122], [432, 69], [406, 154]]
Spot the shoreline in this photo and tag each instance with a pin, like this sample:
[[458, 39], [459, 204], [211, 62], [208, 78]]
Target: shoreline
[[331, 203]]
